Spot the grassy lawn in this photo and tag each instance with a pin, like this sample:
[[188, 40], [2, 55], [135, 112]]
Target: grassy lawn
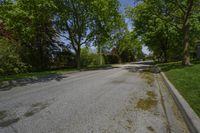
[[46, 73], [186, 80]]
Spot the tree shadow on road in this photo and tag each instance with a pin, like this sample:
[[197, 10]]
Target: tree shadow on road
[[8, 85]]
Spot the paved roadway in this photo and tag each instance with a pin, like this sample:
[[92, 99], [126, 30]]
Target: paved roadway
[[119, 100]]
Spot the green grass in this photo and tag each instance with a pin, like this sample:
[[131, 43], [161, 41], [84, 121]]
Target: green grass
[[46, 73], [186, 80]]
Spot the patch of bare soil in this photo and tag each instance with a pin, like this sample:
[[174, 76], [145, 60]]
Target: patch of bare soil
[[147, 103], [148, 77]]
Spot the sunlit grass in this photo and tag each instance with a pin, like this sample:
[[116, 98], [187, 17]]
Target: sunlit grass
[[186, 80]]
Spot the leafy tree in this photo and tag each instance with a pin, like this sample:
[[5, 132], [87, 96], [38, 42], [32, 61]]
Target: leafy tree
[[83, 22], [31, 26], [89, 58], [106, 19], [72, 22], [129, 47], [10, 61], [176, 17], [126, 46], [157, 34]]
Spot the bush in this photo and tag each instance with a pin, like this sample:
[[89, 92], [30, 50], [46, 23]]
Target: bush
[[63, 59], [111, 59], [89, 58], [10, 62]]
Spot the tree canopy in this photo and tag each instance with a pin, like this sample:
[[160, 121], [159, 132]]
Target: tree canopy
[[167, 27], [46, 34], [51, 34]]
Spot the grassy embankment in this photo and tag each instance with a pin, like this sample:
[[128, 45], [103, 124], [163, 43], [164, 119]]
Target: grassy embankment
[[186, 80]]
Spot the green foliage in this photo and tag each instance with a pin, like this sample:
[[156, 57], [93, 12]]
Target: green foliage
[[10, 61], [164, 30], [127, 46], [106, 19], [89, 58], [85, 22], [155, 33], [111, 59], [38, 26], [31, 25]]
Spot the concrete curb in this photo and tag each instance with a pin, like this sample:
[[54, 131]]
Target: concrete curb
[[190, 117]]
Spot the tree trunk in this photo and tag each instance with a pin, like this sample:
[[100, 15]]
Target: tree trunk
[[78, 58], [40, 54], [100, 53], [42, 63], [186, 52], [166, 50], [165, 56], [186, 30]]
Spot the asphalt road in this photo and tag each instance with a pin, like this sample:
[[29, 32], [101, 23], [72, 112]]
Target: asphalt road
[[119, 100]]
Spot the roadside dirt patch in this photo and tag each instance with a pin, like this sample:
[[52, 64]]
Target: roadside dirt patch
[[147, 103], [148, 77], [151, 94]]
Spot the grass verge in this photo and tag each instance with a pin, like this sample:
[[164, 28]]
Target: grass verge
[[186, 80]]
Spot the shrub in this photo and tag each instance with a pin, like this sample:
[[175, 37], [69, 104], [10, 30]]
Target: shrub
[[10, 62], [111, 59], [89, 58]]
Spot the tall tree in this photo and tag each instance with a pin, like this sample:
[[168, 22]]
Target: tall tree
[[186, 9], [73, 23], [84, 21], [106, 18]]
